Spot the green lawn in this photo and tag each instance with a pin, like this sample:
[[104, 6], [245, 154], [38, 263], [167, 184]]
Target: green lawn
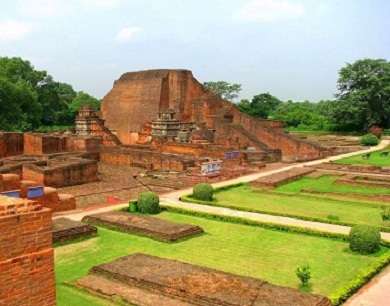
[[327, 183], [247, 250], [246, 198], [375, 159]]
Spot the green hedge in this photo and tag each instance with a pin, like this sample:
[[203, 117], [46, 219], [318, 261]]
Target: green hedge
[[369, 140], [342, 294], [190, 199], [148, 203], [203, 192], [364, 239]]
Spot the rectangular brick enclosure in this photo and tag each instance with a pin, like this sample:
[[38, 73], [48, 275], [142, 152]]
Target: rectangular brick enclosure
[[148, 226], [65, 229], [153, 280]]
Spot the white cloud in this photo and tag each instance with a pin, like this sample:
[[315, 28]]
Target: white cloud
[[106, 4], [271, 10], [12, 30], [127, 34], [44, 8]]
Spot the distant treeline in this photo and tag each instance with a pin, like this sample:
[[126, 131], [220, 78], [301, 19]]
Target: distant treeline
[[31, 100], [362, 100]]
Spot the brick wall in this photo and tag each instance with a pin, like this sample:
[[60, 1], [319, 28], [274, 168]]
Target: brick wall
[[26, 254], [11, 144], [69, 173]]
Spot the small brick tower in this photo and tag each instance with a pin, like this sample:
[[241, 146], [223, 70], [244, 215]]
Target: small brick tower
[[26, 254]]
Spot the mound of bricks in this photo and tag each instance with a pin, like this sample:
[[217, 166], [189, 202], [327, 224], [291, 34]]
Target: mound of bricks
[[157, 281], [65, 229], [143, 225], [277, 179]]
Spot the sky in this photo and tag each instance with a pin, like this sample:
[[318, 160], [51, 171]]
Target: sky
[[292, 49]]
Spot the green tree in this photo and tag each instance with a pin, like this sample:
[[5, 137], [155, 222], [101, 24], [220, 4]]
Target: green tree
[[364, 95], [262, 105], [224, 89], [84, 99]]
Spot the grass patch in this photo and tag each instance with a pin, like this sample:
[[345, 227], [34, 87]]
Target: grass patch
[[300, 206], [246, 250], [327, 183], [376, 159]]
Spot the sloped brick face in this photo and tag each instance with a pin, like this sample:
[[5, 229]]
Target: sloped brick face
[[26, 256]]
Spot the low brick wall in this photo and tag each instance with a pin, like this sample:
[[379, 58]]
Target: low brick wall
[[59, 174], [277, 179], [354, 168], [26, 254], [148, 159], [144, 225]]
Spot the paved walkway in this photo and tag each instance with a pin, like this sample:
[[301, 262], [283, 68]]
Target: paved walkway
[[376, 293]]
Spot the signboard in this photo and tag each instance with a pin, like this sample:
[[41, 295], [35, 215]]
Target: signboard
[[232, 155], [211, 167], [35, 192]]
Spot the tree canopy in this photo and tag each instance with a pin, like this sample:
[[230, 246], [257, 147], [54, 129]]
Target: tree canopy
[[261, 105], [224, 89], [30, 98]]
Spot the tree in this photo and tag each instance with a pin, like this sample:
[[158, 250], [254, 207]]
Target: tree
[[262, 105], [364, 95], [224, 89], [84, 99], [30, 98]]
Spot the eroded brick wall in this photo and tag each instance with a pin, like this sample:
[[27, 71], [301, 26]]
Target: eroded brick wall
[[11, 144], [26, 254]]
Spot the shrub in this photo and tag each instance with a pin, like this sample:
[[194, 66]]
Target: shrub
[[148, 203], [203, 192], [386, 213], [364, 239], [133, 207], [369, 140], [304, 274]]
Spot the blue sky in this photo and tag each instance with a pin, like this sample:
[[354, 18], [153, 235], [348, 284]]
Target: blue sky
[[290, 48]]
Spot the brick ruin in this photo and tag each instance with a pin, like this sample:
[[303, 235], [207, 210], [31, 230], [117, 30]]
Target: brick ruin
[[157, 120], [26, 254], [141, 106]]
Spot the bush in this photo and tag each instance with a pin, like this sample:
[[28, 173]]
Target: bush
[[148, 203], [364, 239], [386, 213], [369, 140], [203, 192], [304, 274], [133, 207]]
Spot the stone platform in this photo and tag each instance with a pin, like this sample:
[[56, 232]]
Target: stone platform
[[65, 230], [277, 179], [147, 280], [143, 225]]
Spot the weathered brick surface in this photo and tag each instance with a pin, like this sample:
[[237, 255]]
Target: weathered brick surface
[[192, 284], [66, 229], [26, 254], [11, 144], [144, 225]]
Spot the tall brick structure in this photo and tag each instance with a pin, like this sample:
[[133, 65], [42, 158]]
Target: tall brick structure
[[26, 254], [137, 98]]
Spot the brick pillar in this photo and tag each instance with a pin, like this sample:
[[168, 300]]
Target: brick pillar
[[26, 254]]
